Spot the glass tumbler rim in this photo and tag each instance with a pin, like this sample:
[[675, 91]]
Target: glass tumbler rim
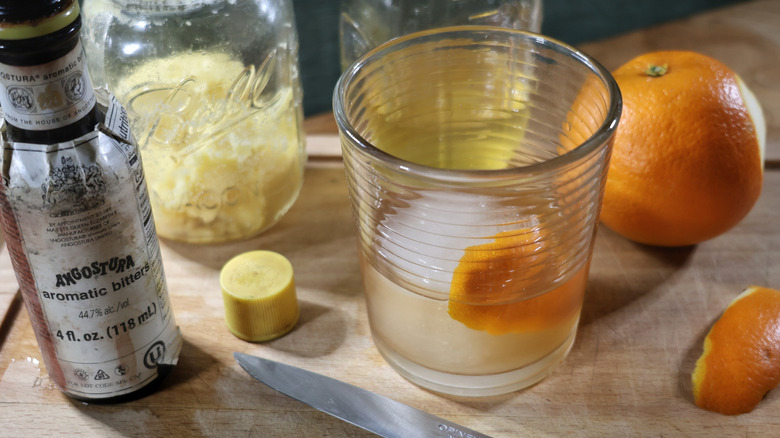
[[590, 145]]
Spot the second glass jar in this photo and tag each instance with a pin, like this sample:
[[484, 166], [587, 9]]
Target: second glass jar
[[215, 102]]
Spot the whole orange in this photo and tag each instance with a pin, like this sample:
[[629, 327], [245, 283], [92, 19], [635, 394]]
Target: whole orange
[[687, 162]]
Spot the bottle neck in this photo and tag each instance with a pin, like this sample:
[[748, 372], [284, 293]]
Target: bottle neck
[[46, 93]]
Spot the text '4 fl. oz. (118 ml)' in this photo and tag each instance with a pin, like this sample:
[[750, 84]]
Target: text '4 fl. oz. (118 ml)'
[[76, 214]]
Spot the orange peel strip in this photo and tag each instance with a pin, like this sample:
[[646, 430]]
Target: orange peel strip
[[508, 264], [740, 363]]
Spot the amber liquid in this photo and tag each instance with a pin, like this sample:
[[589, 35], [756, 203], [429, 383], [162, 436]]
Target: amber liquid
[[418, 333], [462, 113], [422, 330]]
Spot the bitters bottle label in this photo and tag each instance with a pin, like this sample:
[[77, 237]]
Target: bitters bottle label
[[48, 96]]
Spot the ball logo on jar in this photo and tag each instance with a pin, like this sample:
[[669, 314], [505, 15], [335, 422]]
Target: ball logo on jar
[[169, 113]]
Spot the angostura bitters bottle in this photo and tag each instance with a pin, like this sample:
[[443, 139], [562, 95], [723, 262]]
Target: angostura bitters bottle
[[76, 214]]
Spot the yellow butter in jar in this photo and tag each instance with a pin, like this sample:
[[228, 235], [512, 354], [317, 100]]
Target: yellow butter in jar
[[214, 99]]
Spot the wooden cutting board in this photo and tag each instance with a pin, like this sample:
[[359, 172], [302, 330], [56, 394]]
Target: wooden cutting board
[[645, 316]]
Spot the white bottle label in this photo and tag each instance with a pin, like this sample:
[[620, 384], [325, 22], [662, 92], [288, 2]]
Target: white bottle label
[[48, 96], [99, 305]]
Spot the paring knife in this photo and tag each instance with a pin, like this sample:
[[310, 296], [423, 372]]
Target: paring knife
[[365, 409]]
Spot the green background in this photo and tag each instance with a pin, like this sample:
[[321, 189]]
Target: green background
[[571, 21]]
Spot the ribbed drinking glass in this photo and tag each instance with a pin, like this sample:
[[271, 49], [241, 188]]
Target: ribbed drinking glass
[[476, 159]]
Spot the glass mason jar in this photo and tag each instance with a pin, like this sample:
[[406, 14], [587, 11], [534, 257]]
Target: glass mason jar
[[215, 102], [365, 24], [476, 159]]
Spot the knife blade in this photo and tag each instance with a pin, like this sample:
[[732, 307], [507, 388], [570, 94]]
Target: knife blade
[[365, 409]]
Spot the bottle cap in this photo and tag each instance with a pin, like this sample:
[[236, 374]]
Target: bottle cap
[[34, 18], [258, 289]]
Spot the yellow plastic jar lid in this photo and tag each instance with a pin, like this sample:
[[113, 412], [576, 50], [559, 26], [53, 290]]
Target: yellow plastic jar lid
[[258, 289]]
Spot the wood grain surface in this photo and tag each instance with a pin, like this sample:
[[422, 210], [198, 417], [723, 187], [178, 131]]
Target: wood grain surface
[[646, 310]]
